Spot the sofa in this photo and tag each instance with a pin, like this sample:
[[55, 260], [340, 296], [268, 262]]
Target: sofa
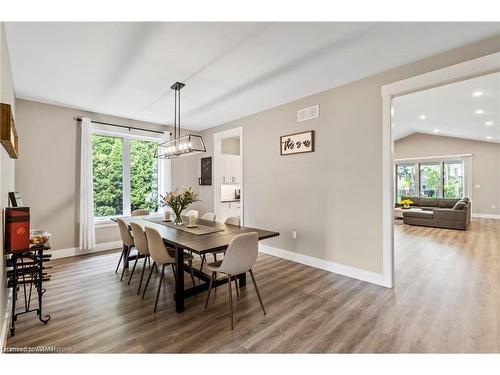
[[439, 212]]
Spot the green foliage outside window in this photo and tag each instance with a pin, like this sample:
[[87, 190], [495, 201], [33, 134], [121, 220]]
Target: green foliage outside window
[[108, 175]]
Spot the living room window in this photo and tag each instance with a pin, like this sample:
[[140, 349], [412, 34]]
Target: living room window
[[432, 178], [125, 175]]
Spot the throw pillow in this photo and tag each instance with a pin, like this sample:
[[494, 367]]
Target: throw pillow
[[459, 205]]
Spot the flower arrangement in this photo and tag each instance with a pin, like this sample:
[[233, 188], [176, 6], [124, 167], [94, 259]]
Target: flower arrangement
[[179, 201], [406, 203]]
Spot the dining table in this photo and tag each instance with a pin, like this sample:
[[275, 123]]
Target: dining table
[[210, 237]]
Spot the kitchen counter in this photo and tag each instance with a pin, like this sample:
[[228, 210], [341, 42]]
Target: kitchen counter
[[230, 201]]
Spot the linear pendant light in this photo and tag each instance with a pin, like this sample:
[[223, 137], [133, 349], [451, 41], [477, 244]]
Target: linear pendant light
[[188, 144]]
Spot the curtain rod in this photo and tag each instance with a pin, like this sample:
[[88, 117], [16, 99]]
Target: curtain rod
[[122, 126]]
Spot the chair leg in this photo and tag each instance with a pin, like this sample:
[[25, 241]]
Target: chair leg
[[149, 261], [125, 252], [133, 269], [236, 286], [149, 278], [159, 286], [203, 258], [215, 257], [209, 290], [146, 258], [230, 300], [192, 273], [118, 265], [257, 291], [173, 271]]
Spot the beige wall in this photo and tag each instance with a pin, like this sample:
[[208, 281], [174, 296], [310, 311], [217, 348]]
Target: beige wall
[[231, 146], [332, 197], [485, 164], [7, 165], [47, 171]]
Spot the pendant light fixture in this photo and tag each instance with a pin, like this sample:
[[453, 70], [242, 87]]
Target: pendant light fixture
[[188, 144]]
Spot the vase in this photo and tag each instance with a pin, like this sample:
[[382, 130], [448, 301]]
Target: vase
[[406, 206], [177, 218]]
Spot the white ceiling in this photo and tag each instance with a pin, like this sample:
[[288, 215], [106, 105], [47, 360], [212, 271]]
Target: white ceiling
[[230, 69], [450, 110]]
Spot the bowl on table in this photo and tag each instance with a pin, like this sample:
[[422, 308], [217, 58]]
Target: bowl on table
[[38, 237]]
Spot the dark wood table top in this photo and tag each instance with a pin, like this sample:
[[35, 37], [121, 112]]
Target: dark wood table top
[[199, 244]]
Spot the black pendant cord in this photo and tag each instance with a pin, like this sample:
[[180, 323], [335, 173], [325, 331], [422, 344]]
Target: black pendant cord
[[175, 114], [179, 113]]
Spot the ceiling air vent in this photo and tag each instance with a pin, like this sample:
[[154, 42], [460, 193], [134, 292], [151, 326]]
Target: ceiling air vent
[[308, 113]]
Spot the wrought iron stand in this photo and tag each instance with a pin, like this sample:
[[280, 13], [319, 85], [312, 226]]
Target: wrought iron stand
[[25, 271]]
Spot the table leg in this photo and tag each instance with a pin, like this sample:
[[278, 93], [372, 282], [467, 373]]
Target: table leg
[[14, 295], [179, 281], [242, 279]]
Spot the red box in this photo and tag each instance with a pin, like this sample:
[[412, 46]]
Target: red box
[[17, 228]]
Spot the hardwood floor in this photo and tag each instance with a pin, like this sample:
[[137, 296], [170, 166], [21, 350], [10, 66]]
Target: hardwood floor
[[446, 299]]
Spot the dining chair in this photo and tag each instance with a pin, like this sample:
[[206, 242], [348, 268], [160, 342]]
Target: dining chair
[[141, 245], [163, 256], [128, 243], [240, 257], [140, 213], [192, 213], [210, 216], [233, 220]]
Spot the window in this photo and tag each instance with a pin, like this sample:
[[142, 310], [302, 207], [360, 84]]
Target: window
[[405, 181], [125, 175], [430, 180], [435, 179], [453, 179]]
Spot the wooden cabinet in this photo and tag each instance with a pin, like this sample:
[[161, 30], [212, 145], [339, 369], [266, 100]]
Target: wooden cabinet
[[231, 169]]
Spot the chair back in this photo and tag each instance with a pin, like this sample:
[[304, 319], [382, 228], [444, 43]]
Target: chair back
[[192, 213], [140, 212], [233, 220], [209, 216], [125, 235], [241, 254], [157, 248], [140, 240]]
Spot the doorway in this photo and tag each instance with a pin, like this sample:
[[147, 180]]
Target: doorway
[[228, 174], [462, 71]]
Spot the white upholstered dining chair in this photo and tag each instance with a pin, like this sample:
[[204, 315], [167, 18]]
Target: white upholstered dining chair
[[140, 213], [141, 245], [233, 220], [210, 216], [163, 256], [192, 213], [128, 243], [240, 257]]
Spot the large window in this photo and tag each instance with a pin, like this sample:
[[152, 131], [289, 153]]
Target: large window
[[125, 175], [433, 179], [405, 181], [430, 180]]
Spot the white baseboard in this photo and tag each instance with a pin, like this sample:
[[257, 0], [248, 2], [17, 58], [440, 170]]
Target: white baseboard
[[75, 251], [341, 269], [6, 323], [485, 216]]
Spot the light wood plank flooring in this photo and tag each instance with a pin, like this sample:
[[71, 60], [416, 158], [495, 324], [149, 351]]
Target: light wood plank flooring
[[446, 299]]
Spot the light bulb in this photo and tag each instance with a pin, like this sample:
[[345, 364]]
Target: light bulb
[[190, 145]]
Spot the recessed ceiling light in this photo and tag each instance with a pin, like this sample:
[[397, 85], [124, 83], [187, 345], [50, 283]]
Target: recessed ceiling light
[[477, 93], [423, 117], [479, 112], [436, 130], [489, 123], [489, 137]]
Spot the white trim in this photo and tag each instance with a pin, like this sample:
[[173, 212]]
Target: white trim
[[486, 216], [217, 170], [458, 72], [75, 251], [6, 323], [436, 158], [341, 269], [106, 223]]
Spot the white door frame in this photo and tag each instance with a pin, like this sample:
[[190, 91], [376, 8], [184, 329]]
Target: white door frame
[[218, 137], [469, 69]]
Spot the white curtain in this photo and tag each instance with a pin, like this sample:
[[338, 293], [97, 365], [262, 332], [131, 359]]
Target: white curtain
[[467, 165], [87, 229]]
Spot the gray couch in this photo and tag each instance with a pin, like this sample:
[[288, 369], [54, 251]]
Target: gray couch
[[438, 212]]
